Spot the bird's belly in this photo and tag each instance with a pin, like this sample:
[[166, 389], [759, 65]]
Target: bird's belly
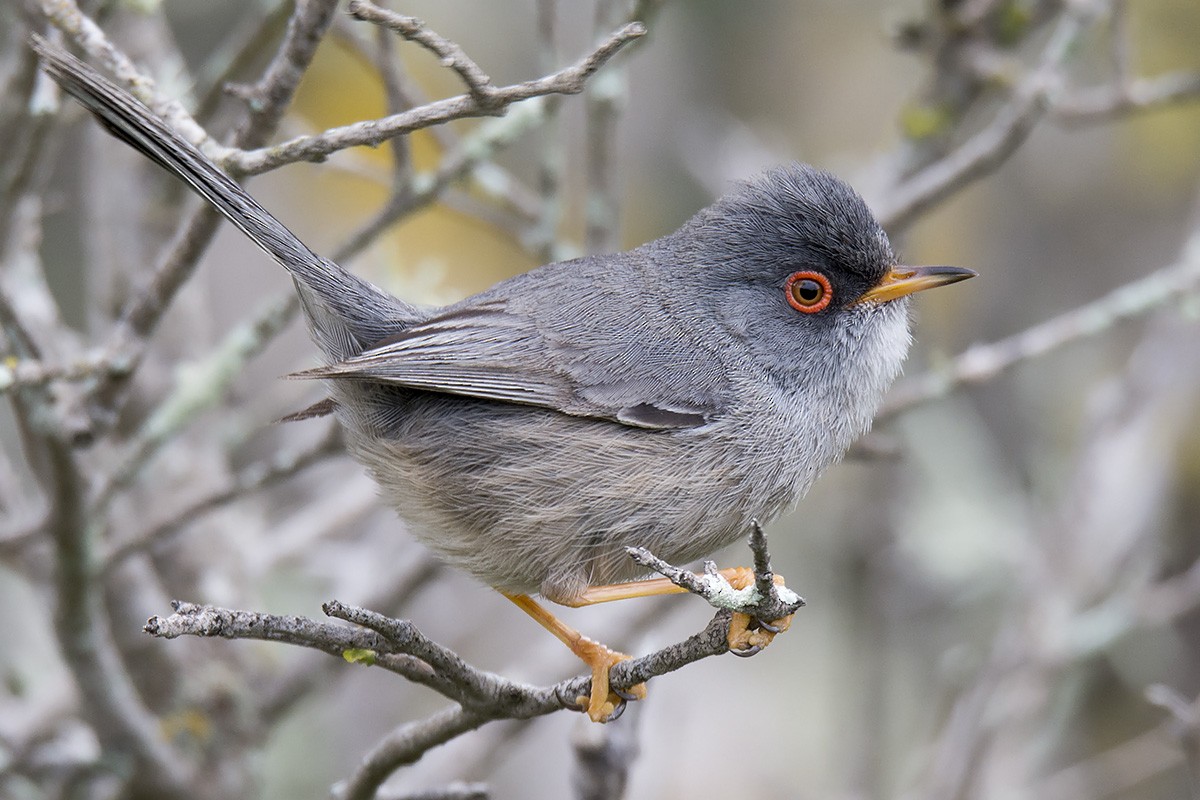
[[529, 500]]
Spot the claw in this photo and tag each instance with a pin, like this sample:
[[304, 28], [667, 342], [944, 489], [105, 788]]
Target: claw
[[768, 627], [748, 651], [624, 694], [618, 711]]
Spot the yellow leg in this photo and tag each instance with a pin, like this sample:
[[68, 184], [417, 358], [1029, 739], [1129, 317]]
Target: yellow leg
[[602, 702], [742, 638]]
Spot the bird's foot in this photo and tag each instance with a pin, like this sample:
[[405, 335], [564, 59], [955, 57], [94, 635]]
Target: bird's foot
[[605, 704], [748, 635]]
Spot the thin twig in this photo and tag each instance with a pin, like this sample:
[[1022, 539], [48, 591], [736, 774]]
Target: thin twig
[[404, 746], [765, 600], [450, 54], [570, 80], [279, 468], [270, 97]]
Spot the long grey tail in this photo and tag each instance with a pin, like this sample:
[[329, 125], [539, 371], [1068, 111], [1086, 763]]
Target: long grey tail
[[345, 313]]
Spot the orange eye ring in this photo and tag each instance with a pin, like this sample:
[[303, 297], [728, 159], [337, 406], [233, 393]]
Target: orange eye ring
[[808, 291]]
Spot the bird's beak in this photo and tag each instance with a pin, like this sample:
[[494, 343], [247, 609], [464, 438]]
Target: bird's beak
[[900, 281]]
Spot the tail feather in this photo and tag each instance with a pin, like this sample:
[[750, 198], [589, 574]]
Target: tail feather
[[346, 314]]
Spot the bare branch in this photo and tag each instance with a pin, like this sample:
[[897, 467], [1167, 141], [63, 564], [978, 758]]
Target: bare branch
[[255, 478], [990, 147], [451, 55], [767, 599], [570, 80], [66, 16], [271, 96], [983, 362], [1089, 106]]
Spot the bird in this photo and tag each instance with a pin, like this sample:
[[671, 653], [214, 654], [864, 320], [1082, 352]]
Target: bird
[[666, 397]]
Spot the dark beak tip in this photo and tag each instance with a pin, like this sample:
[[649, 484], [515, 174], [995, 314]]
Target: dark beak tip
[[952, 274]]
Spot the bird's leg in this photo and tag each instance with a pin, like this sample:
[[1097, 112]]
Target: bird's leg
[[604, 704], [747, 635]]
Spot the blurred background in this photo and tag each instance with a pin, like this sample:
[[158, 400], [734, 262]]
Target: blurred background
[[1003, 582]]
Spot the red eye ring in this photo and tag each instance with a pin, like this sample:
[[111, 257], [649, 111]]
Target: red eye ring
[[808, 291]]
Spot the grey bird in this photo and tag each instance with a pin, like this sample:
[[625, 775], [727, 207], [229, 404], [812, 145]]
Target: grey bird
[[666, 397]]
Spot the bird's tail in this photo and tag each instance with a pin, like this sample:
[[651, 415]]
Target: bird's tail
[[345, 313]]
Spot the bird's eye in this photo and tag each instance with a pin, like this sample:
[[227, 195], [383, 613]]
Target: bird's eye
[[808, 291]]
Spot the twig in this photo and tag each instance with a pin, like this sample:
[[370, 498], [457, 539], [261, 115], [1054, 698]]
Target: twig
[[451, 55], [570, 80], [765, 600], [67, 17], [1088, 106], [270, 97], [990, 147], [985, 361], [404, 746], [260, 476]]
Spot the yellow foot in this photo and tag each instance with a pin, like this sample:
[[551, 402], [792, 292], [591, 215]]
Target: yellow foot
[[747, 635], [604, 704]]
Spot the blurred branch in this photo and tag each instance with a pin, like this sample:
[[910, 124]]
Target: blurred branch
[[983, 362], [1103, 103], [67, 17], [268, 99], [235, 55], [604, 755], [404, 746], [1120, 768], [198, 386], [475, 150], [25, 373], [259, 476], [454, 791], [125, 727], [989, 148]]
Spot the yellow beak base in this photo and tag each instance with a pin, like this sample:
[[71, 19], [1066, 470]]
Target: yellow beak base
[[901, 281]]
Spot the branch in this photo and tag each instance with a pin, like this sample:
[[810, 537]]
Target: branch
[[767, 599], [254, 478], [569, 80], [405, 746], [990, 147], [398, 646], [270, 97], [28, 373], [450, 54], [983, 362], [1100, 104]]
